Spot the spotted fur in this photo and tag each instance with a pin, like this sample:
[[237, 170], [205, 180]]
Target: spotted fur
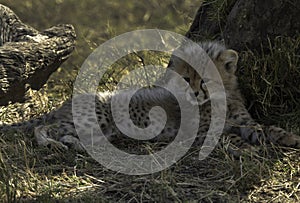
[[240, 126], [58, 128]]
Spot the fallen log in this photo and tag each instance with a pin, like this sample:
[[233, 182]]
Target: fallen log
[[28, 57]]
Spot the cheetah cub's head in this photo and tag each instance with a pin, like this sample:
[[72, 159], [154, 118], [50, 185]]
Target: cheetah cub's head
[[225, 61]]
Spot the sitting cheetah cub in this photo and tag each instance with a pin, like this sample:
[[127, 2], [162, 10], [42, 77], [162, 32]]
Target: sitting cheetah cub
[[58, 126]]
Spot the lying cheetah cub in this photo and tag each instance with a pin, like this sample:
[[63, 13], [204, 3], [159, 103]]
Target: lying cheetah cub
[[240, 127], [58, 126]]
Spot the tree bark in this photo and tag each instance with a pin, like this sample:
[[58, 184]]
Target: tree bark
[[208, 24], [27, 56], [246, 23], [267, 34]]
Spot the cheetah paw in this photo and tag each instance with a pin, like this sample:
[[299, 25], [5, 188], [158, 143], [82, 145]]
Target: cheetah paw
[[42, 138]]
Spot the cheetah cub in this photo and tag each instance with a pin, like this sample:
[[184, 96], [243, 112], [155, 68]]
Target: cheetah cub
[[92, 111], [240, 127]]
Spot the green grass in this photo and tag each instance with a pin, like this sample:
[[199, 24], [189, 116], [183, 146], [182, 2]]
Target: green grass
[[29, 173]]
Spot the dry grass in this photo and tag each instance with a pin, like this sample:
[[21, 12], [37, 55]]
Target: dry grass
[[29, 173], [33, 174], [270, 82]]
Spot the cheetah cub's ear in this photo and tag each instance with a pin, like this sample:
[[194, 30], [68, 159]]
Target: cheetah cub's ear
[[229, 58]]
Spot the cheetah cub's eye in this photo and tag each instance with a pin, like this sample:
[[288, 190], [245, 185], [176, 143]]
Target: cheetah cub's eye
[[203, 85], [187, 79], [204, 89]]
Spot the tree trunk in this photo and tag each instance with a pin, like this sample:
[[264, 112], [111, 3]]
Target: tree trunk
[[28, 57], [246, 24], [266, 33]]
